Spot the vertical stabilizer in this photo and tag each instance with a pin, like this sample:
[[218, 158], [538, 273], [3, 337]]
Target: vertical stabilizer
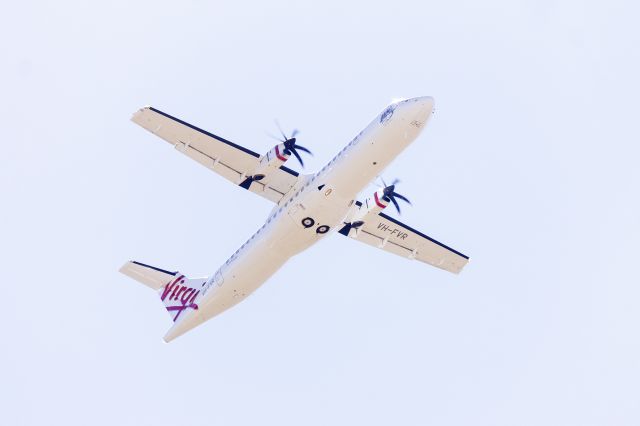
[[177, 292]]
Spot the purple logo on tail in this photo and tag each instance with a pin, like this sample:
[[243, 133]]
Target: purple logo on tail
[[178, 297]]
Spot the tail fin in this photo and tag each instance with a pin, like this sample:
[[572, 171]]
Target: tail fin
[[177, 292]]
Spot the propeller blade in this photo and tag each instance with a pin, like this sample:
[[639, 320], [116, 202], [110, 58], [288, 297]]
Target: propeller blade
[[395, 203], [290, 146], [383, 182], [293, 150], [395, 182], [402, 197], [302, 148], [284, 137], [274, 137]]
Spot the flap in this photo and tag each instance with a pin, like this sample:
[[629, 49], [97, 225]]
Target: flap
[[389, 234]]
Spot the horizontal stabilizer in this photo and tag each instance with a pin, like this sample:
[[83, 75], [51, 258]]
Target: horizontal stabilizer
[[148, 275]]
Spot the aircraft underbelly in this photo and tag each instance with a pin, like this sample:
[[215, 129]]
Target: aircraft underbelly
[[286, 237], [232, 284]]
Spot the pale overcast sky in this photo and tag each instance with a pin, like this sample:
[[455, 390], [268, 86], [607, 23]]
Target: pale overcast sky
[[529, 166]]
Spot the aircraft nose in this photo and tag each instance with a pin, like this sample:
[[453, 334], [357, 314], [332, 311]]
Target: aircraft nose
[[417, 110], [422, 105]]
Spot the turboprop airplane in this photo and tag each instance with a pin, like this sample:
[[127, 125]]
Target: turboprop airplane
[[307, 207]]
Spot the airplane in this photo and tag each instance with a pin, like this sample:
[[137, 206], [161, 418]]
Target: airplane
[[308, 207]]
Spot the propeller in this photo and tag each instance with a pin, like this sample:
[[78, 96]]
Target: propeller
[[290, 146], [390, 194]]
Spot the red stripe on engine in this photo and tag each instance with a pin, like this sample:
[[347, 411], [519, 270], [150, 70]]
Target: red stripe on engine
[[375, 196], [279, 155]]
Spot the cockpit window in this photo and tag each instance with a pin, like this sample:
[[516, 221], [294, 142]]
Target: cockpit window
[[387, 114]]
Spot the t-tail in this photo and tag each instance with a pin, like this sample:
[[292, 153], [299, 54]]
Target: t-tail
[[178, 293]]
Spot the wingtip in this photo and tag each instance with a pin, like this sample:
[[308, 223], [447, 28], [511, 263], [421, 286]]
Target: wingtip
[[139, 111], [124, 266]]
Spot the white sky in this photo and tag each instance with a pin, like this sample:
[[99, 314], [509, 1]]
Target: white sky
[[529, 166]]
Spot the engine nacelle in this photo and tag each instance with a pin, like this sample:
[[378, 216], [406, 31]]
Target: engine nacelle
[[364, 211], [269, 162], [371, 206], [276, 157]]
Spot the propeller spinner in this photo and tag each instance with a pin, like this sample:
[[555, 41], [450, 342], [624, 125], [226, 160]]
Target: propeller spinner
[[390, 194], [290, 145]]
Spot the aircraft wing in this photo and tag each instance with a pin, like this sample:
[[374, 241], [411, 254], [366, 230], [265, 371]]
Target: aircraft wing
[[389, 234], [231, 161]]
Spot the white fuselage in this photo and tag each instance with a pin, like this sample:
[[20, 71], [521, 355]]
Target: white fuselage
[[324, 199]]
